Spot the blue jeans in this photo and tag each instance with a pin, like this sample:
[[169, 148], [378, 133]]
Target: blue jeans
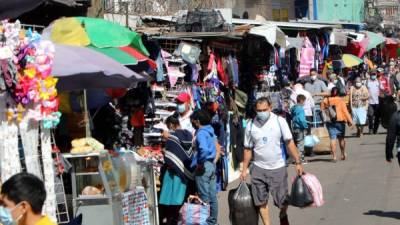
[[207, 189]]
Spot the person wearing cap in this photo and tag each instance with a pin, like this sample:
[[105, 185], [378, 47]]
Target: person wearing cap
[[336, 81], [184, 111], [373, 87]]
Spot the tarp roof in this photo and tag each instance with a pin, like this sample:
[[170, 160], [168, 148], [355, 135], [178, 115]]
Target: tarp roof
[[231, 35], [286, 25]]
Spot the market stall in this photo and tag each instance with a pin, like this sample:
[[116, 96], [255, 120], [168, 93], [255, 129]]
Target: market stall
[[29, 107]]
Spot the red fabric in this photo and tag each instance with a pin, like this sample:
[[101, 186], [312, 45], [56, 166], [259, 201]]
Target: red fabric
[[385, 85], [183, 97], [139, 56], [211, 61], [390, 51], [221, 71], [137, 119], [354, 48], [116, 92]]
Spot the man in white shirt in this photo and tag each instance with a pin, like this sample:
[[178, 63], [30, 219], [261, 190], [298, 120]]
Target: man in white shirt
[[374, 89], [263, 139]]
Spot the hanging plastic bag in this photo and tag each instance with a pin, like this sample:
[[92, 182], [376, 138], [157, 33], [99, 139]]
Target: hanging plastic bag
[[242, 210], [316, 189], [300, 195], [310, 141], [194, 213]]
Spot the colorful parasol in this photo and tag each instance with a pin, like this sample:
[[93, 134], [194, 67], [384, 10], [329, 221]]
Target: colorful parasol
[[351, 60], [101, 35]]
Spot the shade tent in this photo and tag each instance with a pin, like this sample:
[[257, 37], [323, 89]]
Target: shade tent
[[374, 39], [80, 68], [296, 42], [272, 34]]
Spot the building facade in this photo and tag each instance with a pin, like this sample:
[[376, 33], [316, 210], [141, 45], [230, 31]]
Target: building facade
[[389, 11]]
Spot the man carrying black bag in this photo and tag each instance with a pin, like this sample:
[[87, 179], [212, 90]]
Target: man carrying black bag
[[264, 137]]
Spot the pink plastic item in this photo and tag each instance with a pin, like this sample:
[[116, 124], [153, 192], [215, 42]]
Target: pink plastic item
[[316, 189]]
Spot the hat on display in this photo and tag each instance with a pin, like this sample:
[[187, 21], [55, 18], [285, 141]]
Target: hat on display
[[183, 97]]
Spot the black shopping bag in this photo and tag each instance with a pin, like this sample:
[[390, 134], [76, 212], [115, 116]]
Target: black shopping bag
[[242, 210], [300, 195]]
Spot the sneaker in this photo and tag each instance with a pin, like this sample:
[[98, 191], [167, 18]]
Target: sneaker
[[370, 131], [284, 219]]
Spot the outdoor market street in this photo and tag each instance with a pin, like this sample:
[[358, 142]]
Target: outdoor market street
[[363, 190]]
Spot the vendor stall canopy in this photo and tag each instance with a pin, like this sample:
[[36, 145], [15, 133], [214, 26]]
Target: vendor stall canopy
[[111, 39]]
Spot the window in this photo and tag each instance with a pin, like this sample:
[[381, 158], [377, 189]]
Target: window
[[280, 14]]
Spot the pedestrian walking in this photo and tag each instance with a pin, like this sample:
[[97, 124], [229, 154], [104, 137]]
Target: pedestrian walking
[[393, 134], [299, 124], [308, 103], [337, 128], [263, 142], [204, 162], [359, 105], [373, 87]]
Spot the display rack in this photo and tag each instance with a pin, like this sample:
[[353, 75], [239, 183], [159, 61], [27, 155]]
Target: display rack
[[95, 169]]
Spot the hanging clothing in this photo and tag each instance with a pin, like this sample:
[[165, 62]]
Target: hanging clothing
[[160, 68], [307, 56]]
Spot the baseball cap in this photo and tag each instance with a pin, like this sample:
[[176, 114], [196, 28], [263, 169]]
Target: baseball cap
[[380, 70], [183, 97]]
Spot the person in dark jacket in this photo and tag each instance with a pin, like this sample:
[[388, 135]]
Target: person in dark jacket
[[393, 136]]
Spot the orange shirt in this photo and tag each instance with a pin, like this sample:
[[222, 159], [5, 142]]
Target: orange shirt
[[342, 114]]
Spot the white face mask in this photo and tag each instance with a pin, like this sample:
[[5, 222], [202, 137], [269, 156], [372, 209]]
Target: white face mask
[[358, 84], [6, 217], [314, 77]]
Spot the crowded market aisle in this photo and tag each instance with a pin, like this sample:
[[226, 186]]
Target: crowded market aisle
[[360, 190]]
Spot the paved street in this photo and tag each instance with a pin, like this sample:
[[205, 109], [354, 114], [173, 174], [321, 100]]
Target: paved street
[[363, 190]]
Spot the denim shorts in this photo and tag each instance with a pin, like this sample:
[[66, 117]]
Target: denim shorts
[[336, 130]]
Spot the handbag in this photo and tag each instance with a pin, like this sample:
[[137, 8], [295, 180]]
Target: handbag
[[330, 115], [194, 213]]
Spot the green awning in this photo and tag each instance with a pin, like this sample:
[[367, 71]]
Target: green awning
[[374, 40], [117, 35], [117, 54]]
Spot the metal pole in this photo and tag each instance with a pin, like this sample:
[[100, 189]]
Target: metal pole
[[126, 14], [86, 115]]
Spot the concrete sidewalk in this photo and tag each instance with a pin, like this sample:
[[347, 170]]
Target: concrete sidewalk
[[363, 190]]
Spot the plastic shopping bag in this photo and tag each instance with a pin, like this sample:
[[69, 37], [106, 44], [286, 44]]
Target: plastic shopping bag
[[194, 213], [242, 210], [300, 195], [310, 141], [316, 189]]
